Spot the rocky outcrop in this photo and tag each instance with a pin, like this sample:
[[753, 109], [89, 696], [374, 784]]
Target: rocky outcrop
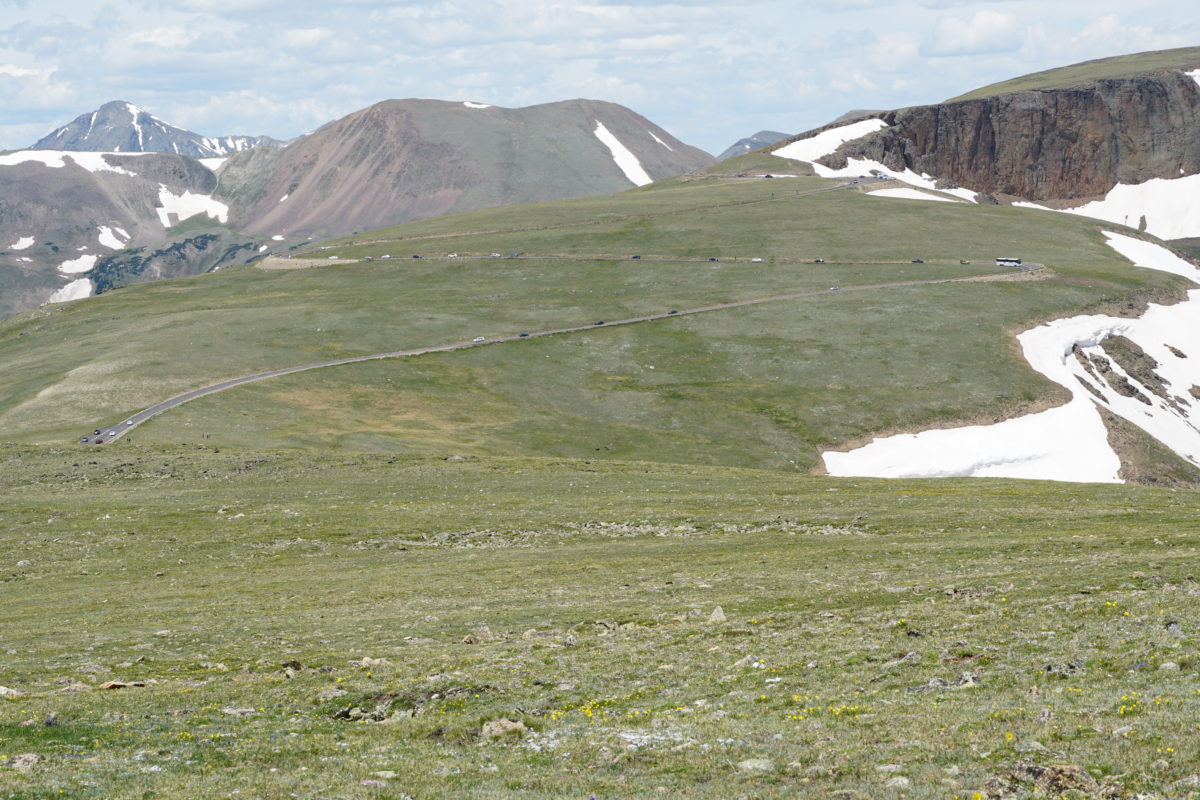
[[1051, 144]]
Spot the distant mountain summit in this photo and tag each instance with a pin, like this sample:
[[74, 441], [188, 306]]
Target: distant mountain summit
[[751, 143], [120, 127], [404, 160]]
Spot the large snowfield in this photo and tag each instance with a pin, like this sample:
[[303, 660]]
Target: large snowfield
[[1170, 206], [187, 205], [1068, 443]]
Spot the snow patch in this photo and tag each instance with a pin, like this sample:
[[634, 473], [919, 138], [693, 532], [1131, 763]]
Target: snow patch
[[1171, 206], [1068, 443], [277, 238], [212, 164], [909, 194], [469, 104], [855, 167], [1194, 75], [75, 290], [187, 205], [24, 243], [285, 197], [82, 264], [92, 162], [625, 159], [660, 141], [262, 249], [828, 141], [108, 237]]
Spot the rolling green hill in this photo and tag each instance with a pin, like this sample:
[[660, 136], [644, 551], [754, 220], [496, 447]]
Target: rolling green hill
[[1087, 71], [347, 582], [762, 386]]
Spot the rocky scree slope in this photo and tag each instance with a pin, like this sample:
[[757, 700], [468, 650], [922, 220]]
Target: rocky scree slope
[[75, 223], [121, 127], [404, 160]]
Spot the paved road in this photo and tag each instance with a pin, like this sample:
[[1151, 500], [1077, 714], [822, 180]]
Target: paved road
[[111, 433]]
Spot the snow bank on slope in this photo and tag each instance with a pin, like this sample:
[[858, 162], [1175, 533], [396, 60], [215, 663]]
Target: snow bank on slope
[[212, 164], [77, 265], [625, 159], [75, 290], [187, 205], [23, 243], [1194, 75], [826, 142], [908, 194], [660, 141], [1069, 443], [109, 237], [469, 104], [92, 162], [856, 166], [1171, 206]]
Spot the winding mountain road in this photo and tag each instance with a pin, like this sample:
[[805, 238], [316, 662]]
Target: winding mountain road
[[111, 433]]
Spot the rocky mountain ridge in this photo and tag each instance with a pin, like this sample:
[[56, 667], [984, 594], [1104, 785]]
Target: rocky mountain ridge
[[121, 127], [1048, 144], [404, 160]]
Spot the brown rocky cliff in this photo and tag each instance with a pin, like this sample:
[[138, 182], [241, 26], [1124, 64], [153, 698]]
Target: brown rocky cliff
[[1047, 144]]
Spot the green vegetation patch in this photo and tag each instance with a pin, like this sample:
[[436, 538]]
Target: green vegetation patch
[[1117, 67], [350, 626]]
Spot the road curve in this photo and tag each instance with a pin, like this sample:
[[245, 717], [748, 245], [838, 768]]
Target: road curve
[[111, 433]]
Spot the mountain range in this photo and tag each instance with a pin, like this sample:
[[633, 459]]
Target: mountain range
[[396, 161], [121, 127]]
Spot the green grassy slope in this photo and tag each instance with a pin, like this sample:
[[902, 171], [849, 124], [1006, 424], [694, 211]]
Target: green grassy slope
[[761, 386], [1116, 67], [243, 589]]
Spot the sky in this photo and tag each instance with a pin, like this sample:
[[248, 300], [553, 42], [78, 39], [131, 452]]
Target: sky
[[709, 71]]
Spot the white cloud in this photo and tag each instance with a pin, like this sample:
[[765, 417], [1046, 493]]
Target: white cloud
[[986, 31]]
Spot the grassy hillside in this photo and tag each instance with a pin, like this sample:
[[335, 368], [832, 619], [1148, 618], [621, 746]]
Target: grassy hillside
[[766, 386], [940, 632], [1116, 67]]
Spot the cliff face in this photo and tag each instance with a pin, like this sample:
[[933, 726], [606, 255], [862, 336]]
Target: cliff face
[[1047, 144]]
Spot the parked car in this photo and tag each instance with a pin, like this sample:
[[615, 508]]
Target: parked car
[[129, 421], [478, 339], [918, 261], [522, 335], [672, 311], [819, 261], [712, 258], [834, 288], [415, 255], [635, 258], [601, 322], [756, 261], [452, 255], [495, 255]]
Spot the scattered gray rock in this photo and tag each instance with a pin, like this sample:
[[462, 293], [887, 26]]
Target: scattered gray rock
[[1190, 782], [24, 762], [717, 616], [898, 782], [1031, 746], [965, 680], [889, 768], [502, 727], [330, 693], [1168, 666], [10, 694], [756, 765]]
